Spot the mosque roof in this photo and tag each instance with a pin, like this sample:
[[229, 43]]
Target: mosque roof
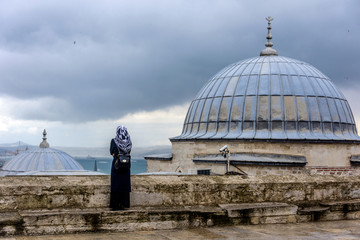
[[43, 160], [269, 97]]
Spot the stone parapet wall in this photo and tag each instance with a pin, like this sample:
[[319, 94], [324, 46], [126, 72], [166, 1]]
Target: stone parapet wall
[[53, 192], [340, 171], [211, 190], [289, 170], [57, 192], [260, 170], [35, 205]]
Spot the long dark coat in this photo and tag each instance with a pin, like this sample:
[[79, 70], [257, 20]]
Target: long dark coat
[[120, 181]]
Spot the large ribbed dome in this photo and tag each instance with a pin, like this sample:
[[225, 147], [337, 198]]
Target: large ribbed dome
[[270, 97]]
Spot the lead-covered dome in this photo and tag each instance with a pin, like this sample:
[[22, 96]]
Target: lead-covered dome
[[41, 159], [44, 160], [269, 97]]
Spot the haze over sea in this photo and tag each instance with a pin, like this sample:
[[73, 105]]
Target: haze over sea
[[104, 164], [87, 156]]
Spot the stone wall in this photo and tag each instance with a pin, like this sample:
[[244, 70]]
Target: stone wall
[[212, 190], [53, 192], [64, 192], [36, 205], [318, 155]]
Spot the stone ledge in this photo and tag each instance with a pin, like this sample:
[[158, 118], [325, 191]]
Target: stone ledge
[[65, 221], [350, 205], [161, 157], [313, 210], [9, 218], [259, 209], [34, 222], [252, 159], [57, 192]]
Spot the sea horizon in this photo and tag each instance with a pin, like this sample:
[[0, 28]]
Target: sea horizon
[[103, 164]]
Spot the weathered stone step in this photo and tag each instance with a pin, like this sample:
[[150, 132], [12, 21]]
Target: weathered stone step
[[313, 210], [10, 223], [9, 218], [350, 205], [329, 211], [259, 209], [266, 212], [90, 220], [41, 222], [313, 213]]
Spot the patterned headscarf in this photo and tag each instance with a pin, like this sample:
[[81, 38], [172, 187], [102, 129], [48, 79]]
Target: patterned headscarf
[[122, 139]]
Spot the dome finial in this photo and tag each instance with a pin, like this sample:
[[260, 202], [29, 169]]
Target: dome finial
[[44, 143], [268, 51]]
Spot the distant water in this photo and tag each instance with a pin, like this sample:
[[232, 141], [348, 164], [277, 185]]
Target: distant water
[[104, 164]]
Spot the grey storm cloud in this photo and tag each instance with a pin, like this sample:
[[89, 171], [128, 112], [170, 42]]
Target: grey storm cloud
[[104, 59]]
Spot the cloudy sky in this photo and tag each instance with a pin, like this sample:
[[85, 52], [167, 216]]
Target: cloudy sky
[[80, 68]]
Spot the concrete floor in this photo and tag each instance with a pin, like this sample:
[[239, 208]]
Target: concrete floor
[[349, 229]]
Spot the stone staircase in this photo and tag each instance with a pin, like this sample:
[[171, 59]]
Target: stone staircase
[[39, 205], [40, 222], [67, 221], [261, 213]]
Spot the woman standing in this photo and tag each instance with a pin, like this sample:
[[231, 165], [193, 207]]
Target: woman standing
[[120, 178]]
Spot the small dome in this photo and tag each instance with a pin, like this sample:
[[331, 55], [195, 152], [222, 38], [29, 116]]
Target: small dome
[[270, 97], [41, 159], [44, 160]]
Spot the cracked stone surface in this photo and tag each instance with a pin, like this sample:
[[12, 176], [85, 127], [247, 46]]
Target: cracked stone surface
[[347, 229]]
